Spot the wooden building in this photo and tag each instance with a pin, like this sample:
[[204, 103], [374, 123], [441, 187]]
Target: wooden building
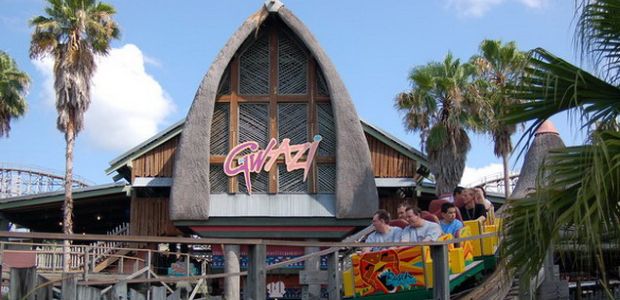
[[272, 147]]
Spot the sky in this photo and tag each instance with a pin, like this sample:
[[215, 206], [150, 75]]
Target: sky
[[148, 80]]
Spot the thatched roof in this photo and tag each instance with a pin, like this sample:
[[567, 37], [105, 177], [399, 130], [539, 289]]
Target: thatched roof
[[356, 194], [547, 138]]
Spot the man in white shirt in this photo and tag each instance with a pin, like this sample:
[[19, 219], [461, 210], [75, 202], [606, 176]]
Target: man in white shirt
[[384, 233], [419, 230]]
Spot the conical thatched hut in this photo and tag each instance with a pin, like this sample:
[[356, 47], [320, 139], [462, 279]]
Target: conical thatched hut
[[546, 139]]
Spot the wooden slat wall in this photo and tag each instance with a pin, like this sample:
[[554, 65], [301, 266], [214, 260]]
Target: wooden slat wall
[[387, 162], [149, 216], [391, 204], [157, 162]]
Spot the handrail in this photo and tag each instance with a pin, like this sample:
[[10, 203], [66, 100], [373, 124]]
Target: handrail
[[103, 249], [256, 273], [181, 240]]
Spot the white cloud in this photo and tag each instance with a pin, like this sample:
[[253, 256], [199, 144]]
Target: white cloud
[[152, 61], [127, 103], [534, 3], [477, 8], [474, 176], [45, 66], [473, 8]]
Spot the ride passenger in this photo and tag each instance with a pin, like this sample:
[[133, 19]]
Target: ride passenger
[[481, 198], [419, 230], [401, 221], [472, 210], [458, 196], [449, 223], [384, 233]]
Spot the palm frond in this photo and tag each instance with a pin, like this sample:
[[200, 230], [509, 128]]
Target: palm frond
[[73, 32], [437, 106], [598, 35], [13, 88], [551, 85]]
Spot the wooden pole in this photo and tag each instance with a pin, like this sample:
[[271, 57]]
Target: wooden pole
[[231, 265], [333, 287], [441, 280], [86, 263], [69, 286], [255, 288], [1, 262], [312, 265]]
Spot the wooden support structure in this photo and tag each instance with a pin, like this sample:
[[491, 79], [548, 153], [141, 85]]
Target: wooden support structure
[[69, 287], [311, 289], [87, 292], [441, 281], [255, 288], [334, 275], [158, 293], [1, 262], [86, 263], [23, 280], [119, 291], [232, 254], [135, 295]]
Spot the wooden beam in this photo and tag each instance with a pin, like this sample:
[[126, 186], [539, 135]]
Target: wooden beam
[[441, 281], [334, 275], [233, 112], [273, 103], [257, 275], [312, 124]]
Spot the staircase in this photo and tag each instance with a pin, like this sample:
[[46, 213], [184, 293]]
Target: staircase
[[100, 254], [105, 254]]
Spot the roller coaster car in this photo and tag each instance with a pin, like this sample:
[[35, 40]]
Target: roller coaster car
[[404, 270]]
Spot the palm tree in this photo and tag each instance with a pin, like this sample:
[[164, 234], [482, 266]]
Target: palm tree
[[439, 107], [498, 67], [577, 204], [73, 32], [13, 87]]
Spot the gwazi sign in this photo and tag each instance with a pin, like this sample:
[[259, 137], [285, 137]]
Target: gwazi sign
[[263, 160]]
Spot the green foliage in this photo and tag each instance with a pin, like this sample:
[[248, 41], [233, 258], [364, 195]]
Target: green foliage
[[439, 106], [575, 204], [498, 67], [13, 87], [72, 33]]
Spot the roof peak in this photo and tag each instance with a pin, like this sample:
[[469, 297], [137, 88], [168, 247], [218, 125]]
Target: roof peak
[[547, 127], [273, 5]]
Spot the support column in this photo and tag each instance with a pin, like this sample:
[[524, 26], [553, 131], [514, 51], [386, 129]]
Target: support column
[[335, 280], [69, 287], [231, 265], [441, 280], [311, 291], [255, 288]]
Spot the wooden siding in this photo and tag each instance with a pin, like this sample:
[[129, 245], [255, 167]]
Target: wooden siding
[[387, 162], [391, 204], [157, 162], [149, 216]]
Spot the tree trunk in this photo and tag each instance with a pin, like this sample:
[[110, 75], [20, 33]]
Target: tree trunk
[[67, 223], [506, 175]]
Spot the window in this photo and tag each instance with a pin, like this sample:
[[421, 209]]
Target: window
[[273, 88]]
